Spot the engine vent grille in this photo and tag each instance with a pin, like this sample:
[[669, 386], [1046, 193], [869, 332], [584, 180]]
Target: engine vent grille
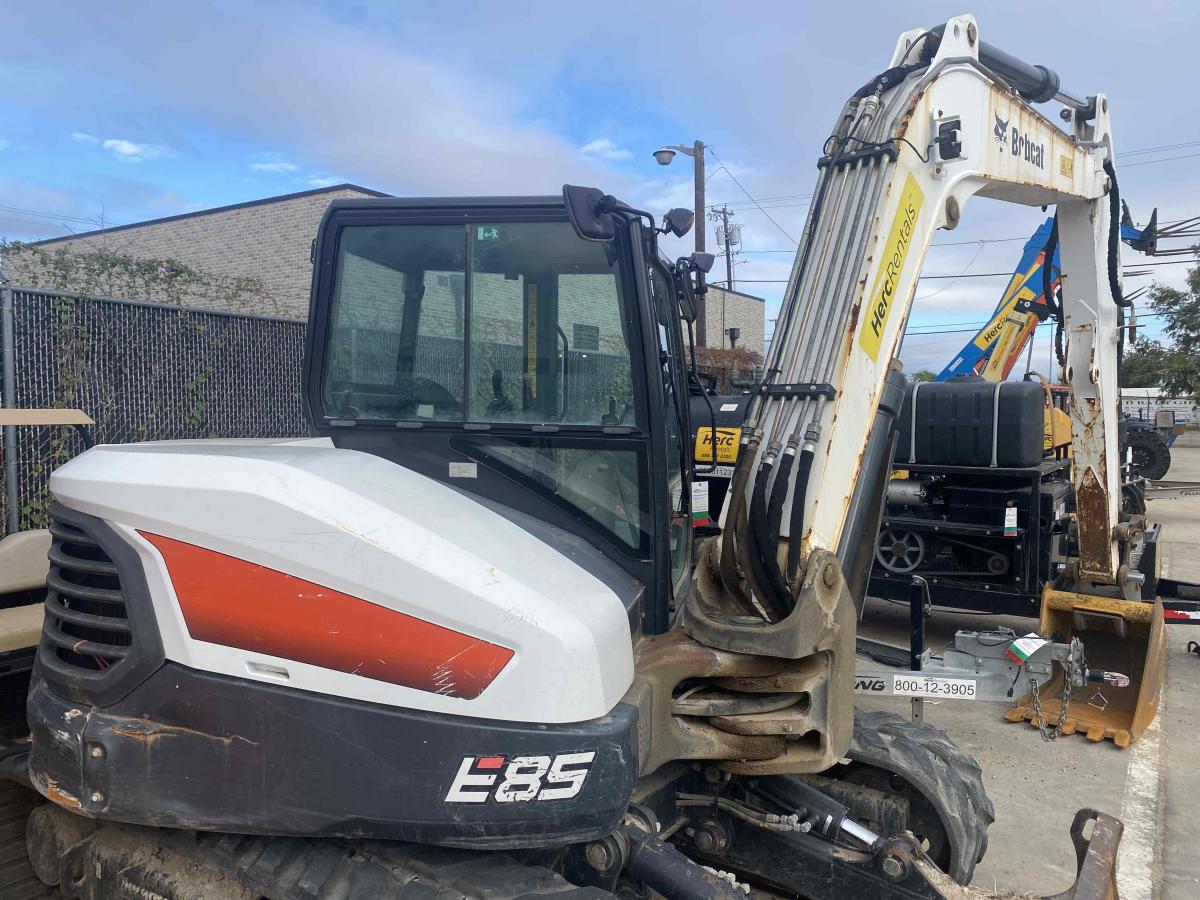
[[87, 620], [100, 637]]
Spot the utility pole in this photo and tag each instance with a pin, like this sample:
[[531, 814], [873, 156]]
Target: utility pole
[[725, 214], [726, 238], [663, 156]]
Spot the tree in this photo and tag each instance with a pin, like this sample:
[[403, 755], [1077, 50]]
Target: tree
[[924, 375], [1179, 364], [726, 364], [1142, 366]]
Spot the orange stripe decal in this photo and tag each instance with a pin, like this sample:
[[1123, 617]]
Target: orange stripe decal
[[235, 603]]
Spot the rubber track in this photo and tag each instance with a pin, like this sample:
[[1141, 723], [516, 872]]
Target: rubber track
[[947, 776], [17, 881], [308, 869]]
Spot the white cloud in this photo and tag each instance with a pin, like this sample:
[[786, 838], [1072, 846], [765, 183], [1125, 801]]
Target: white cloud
[[320, 181], [603, 148], [84, 138], [277, 168], [449, 126], [128, 151]]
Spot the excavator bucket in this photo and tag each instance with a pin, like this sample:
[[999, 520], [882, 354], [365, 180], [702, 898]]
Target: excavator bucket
[[1123, 636]]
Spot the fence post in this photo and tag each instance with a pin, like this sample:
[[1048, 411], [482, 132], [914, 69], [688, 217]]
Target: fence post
[[8, 366]]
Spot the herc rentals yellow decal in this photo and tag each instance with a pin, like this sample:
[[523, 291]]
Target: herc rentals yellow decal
[[895, 254], [727, 445]]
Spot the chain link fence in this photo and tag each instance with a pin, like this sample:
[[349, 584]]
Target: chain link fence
[[151, 371], [143, 371]]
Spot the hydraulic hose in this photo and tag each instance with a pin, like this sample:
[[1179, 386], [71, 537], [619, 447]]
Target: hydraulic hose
[[779, 492], [1114, 237], [778, 595], [799, 497], [734, 521], [1114, 260], [752, 566], [1059, 353], [1054, 305], [887, 79]]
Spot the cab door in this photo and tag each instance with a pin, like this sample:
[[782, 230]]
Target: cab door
[[673, 437]]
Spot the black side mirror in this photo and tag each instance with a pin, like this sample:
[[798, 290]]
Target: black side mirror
[[679, 221], [591, 212], [702, 262], [685, 290]]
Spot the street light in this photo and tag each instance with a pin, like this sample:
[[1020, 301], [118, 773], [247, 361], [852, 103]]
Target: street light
[[664, 155]]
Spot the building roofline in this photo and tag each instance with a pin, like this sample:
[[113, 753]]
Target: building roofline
[[737, 293], [344, 186]]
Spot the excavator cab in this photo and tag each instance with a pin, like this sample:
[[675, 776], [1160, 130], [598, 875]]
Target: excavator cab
[[487, 345]]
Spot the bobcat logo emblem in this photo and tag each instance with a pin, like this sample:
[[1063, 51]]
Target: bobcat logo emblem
[[1001, 131]]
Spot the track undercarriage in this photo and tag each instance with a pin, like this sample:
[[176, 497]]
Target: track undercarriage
[[763, 836]]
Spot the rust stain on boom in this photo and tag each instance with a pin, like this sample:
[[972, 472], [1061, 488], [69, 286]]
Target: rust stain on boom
[[1095, 530]]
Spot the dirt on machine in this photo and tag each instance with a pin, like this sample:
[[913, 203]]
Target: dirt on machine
[[461, 639]]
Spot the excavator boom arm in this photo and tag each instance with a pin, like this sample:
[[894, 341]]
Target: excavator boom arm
[[936, 128]]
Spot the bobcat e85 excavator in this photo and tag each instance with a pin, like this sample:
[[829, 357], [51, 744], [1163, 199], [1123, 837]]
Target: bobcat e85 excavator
[[457, 644]]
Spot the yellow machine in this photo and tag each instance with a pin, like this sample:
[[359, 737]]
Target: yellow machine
[[1099, 596]]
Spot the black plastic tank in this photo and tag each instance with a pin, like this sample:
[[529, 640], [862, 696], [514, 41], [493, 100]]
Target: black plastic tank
[[968, 421]]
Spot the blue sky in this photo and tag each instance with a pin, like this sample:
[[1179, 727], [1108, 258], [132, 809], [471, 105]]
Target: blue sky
[[124, 111]]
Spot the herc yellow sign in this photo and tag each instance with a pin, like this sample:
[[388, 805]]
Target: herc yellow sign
[[883, 294], [727, 444]]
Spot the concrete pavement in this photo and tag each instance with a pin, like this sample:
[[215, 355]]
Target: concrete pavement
[[1154, 787]]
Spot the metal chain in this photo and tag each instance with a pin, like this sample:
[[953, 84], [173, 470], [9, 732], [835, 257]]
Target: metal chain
[[1039, 719]]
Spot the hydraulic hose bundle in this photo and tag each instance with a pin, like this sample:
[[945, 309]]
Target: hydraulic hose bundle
[[1052, 303], [1114, 259], [786, 419]]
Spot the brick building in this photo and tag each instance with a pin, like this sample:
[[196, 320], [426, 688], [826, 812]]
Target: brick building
[[269, 240], [266, 239], [725, 309]]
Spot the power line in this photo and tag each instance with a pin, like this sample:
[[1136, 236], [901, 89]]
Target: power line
[[941, 327], [936, 244], [51, 215], [968, 328], [1150, 162], [1130, 266], [763, 200], [1008, 240], [767, 201], [801, 199], [950, 283], [1157, 149], [747, 193]]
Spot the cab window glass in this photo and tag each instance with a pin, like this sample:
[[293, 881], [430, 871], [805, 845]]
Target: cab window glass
[[599, 483], [548, 338], [396, 341], [533, 330]]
